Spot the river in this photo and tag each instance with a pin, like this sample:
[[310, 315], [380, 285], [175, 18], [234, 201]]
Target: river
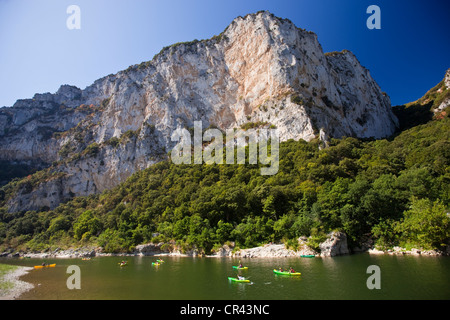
[[181, 278]]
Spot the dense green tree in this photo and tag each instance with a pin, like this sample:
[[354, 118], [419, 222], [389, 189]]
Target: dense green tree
[[86, 225], [426, 224]]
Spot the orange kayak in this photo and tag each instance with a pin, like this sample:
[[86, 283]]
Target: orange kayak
[[46, 266]]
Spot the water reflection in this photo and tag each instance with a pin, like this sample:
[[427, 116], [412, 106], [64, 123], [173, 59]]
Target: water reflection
[[207, 278]]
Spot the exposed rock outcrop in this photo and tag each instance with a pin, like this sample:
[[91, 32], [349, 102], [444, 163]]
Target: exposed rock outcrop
[[335, 245], [261, 69], [446, 102]]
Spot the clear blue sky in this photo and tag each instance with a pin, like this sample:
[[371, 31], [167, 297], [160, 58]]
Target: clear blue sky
[[38, 53]]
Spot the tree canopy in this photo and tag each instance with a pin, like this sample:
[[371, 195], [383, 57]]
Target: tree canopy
[[393, 190]]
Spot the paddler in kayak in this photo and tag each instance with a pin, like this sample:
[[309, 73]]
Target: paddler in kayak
[[291, 270]]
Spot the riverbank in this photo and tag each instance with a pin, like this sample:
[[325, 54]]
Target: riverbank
[[13, 287], [413, 251], [334, 245]]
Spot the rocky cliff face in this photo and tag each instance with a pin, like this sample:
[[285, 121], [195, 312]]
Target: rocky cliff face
[[261, 70], [445, 86]]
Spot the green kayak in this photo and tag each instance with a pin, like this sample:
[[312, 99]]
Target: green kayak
[[240, 268], [286, 273], [156, 263], [307, 256], [238, 280]]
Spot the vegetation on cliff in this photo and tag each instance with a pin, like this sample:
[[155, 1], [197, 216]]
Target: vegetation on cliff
[[396, 191]]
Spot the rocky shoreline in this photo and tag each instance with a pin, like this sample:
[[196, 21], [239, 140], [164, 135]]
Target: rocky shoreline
[[334, 245], [413, 251], [18, 286]]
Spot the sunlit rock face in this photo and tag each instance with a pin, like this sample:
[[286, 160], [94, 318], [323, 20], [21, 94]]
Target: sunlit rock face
[[261, 70]]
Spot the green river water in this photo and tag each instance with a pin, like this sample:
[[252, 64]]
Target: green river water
[[180, 278]]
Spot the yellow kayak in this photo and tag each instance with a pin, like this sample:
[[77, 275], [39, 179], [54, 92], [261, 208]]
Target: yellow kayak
[[286, 273], [46, 266], [240, 268], [238, 280]]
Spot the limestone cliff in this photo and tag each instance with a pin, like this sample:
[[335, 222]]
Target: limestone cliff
[[261, 69]]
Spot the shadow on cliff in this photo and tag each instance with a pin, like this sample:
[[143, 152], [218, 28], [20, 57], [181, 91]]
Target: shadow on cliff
[[413, 115]]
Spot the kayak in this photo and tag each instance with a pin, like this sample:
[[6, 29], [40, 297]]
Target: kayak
[[240, 268], [307, 256], [123, 264], [156, 263], [160, 261], [286, 273], [238, 280], [46, 266]]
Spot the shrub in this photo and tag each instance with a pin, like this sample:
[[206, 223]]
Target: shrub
[[91, 150], [114, 142], [297, 100], [252, 125]]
